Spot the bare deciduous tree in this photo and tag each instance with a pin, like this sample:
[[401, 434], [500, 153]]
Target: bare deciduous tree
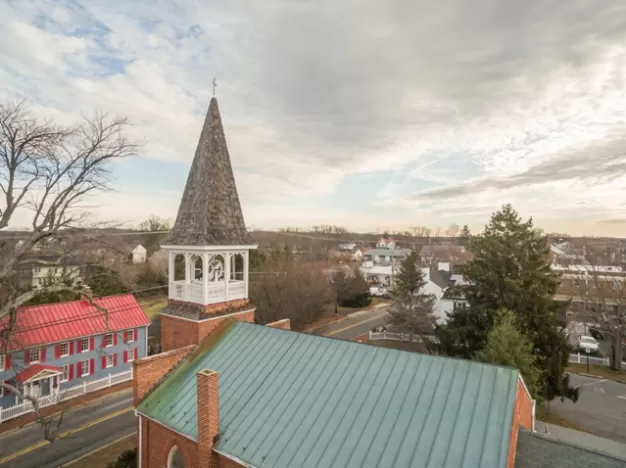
[[49, 169], [600, 299], [154, 224], [453, 230], [290, 289], [420, 231]]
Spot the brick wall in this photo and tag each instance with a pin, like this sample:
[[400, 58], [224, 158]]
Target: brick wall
[[177, 332], [538, 451], [285, 324], [157, 443], [225, 462], [522, 416], [206, 327], [148, 371]]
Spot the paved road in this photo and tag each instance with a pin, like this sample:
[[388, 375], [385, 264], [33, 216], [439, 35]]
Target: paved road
[[100, 422], [84, 429], [601, 407], [355, 324]]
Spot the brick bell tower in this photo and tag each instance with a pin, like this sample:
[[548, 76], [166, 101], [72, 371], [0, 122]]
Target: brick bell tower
[[208, 248]]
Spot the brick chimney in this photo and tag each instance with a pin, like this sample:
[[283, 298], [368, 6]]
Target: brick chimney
[[208, 416]]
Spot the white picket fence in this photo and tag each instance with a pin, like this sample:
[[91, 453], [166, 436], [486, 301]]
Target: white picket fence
[[72, 392], [577, 358], [597, 361]]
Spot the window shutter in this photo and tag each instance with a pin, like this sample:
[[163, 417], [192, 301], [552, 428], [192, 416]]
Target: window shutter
[[135, 353], [104, 341], [7, 362], [135, 334], [125, 333], [104, 362], [27, 357], [71, 348], [70, 372], [91, 344], [42, 358], [115, 339], [115, 360], [125, 357], [91, 366], [79, 370], [57, 351]]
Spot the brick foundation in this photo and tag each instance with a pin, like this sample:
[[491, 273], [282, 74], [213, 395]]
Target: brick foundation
[[522, 416]]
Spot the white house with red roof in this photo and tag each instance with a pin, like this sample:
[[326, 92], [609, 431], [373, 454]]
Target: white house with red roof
[[55, 347]]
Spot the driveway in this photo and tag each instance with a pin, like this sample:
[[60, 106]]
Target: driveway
[[601, 407]]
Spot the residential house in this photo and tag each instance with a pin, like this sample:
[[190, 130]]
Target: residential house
[[56, 346], [38, 269], [385, 256], [386, 242], [289, 399], [565, 253], [139, 254]]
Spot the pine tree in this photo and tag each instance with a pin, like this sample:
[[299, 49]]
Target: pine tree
[[507, 346], [412, 310], [465, 236], [511, 270]]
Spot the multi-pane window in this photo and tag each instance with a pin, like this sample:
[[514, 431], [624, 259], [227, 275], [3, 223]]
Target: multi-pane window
[[130, 336], [109, 361], [108, 340], [84, 368], [66, 371], [3, 362], [65, 349], [35, 355], [84, 345]]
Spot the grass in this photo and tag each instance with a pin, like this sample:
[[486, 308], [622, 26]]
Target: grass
[[600, 371], [555, 418], [106, 455], [153, 305]]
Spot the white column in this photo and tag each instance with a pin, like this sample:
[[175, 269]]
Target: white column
[[50, 385], [188, 268], [246, 263], [226, 274], [171, 270], [205, 277]]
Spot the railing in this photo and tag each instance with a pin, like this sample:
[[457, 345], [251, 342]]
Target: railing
[[72, 392], [236, 290], [216, 292], [596, 361], [576, 358]]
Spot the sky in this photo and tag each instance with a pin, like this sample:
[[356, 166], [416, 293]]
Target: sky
[[371, 115]]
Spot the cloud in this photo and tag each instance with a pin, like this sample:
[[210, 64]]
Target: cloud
[[528, 97]]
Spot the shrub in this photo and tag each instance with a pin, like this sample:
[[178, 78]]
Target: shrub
[[127, 459]]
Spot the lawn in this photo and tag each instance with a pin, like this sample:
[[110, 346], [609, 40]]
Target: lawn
[[153, 305], [555, 418], [600, 371], [107, 454]]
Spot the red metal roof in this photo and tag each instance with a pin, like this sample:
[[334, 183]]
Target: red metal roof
[[52, 323], [34, 370]]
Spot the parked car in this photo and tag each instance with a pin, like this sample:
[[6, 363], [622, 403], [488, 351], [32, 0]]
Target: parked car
[[588, 343]]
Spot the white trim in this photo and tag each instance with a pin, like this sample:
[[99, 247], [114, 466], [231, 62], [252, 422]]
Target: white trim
[[68, 373], [61, 355], [210, 248], [234, 458], [525, 387], [44, 373], [80, 345], [209, 319], [3, 362], [112, 335], [166, 427], [533, 416], [145, 343]]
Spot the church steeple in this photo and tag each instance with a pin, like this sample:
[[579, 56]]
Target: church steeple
[[210, 212], [208, 246]]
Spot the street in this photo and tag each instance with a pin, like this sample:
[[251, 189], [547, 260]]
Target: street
[[601, 407], [88, 427], [84, 429]]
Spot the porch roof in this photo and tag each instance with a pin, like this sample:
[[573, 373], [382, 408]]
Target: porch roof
[[34, 370]]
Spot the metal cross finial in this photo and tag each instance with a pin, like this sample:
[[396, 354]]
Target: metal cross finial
[[214, 86]]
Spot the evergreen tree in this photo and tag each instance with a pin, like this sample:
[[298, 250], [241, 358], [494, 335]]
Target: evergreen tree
[[507, 346], [511, 270], [412, 310], [465, 235], [105, 281]]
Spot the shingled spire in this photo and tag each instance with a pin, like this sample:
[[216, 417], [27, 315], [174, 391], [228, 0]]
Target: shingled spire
[[210, 212]]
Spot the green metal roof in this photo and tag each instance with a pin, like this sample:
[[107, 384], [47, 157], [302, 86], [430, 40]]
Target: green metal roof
[[289, 399]]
